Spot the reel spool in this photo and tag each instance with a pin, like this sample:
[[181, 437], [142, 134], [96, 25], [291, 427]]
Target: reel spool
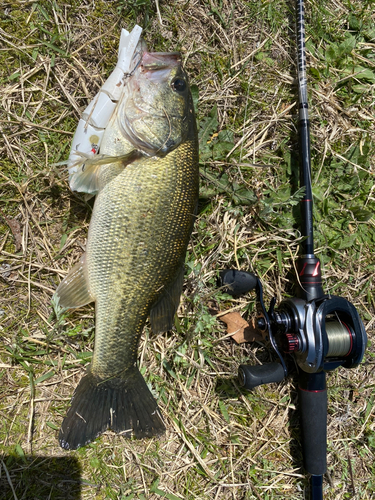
[[340, 339]]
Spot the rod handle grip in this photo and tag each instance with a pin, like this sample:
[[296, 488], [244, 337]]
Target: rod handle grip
[[313, 412], [250, 376]]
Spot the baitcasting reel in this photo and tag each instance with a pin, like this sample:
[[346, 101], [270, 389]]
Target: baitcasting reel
[[322, 332]]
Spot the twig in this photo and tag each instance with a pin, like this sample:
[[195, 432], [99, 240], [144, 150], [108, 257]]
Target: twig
[[9, 480]]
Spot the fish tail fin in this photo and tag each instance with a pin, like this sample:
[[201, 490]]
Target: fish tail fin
[[123, 404]]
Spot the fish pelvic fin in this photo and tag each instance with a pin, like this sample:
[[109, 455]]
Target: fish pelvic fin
[[74, 291], [123, 404]]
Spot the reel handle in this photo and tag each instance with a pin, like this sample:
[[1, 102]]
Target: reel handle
[[250, 376]]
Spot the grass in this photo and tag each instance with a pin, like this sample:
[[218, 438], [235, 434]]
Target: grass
[[221, 442]]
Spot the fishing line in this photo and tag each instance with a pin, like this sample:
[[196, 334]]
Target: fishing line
[[340, 338]]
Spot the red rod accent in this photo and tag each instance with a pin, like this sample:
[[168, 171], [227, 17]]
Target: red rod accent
[[316, 270], [303, 269]]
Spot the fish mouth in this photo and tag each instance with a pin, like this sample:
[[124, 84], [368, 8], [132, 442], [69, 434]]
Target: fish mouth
[[155, 61]]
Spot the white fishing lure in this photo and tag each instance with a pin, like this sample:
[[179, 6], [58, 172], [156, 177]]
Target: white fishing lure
[[95, 118]]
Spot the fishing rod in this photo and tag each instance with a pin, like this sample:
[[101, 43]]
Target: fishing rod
[[320, 331]]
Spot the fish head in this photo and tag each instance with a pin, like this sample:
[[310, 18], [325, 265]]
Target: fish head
[[156, 110]]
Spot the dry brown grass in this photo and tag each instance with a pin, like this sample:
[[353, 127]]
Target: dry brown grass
[[221, 442]]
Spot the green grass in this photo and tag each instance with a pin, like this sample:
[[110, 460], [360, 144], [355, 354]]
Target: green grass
[[221, 442]]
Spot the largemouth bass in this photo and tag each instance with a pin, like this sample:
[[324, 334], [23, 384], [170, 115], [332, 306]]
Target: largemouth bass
[[146, 181]]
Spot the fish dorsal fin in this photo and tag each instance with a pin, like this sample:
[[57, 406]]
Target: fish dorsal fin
[[87, 180], [73, 291], [162, 313]]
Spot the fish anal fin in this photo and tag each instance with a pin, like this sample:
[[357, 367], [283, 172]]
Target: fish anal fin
[[123, 404], [74, 291], [162, 313]]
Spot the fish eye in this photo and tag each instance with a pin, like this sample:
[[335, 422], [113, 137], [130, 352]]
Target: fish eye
[[178, 84]]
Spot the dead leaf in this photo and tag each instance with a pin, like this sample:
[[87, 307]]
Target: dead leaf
[[242, 331], [15, 227]]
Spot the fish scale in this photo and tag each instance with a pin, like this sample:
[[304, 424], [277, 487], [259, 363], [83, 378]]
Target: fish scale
[[146, 179]]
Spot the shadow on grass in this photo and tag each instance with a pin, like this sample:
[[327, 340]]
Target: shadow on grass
[[55, 478]]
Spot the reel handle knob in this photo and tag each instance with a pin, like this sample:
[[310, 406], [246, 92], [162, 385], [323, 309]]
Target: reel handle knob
[[250, 376], [237, 282]]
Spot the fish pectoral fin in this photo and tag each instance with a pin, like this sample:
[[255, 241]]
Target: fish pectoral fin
[[162, 313], [87, 179], [73, 291]]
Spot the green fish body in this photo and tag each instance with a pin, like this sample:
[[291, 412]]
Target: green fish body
[[134, 261]]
